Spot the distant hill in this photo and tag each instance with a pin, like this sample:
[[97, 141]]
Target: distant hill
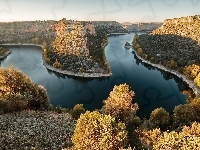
[[106, 23], [126, 23], [109, 27], [149, 26]]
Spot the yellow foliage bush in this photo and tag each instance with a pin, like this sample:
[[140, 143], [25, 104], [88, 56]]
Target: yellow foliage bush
[[98, 131]]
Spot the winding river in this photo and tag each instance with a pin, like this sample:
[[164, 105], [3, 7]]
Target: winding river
[[153, 87]]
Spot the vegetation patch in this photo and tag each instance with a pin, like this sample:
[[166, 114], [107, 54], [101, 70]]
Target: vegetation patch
[[18, 92]]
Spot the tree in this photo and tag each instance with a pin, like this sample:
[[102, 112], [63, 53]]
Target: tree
[[18, 92], [98, 131], [57, 64], [77, 111], [44, 44], [183, 115], [191, 71], [196, 105], [119, 103], [188, 138], [137, 46], [197, 80], [139, 51], [159, 118]]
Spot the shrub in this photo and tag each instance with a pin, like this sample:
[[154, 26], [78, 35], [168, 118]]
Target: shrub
[[119, 103], [77, 111], [98, 131], [58, 109], [18, 92], [183, 115], [57, 64], [188, 138], [148, 138], [196, 104], [197, 80], [191, 71], [159, 118]]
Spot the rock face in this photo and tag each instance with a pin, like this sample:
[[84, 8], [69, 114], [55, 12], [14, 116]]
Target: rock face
[[70, 38], [184, 26]]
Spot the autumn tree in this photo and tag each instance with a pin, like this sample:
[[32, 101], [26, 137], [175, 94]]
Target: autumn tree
[[183, 115], [197, 80], [188, 138], [139, 51], [57, 64], [18, 92], [77, 111], [159, 118], [98, 131], [119, 103], [196, 105], [191, 71]]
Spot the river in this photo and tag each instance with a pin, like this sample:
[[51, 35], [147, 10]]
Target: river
[[153, 87]]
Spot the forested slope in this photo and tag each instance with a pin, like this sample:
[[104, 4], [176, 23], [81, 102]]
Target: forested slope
[[175, 45]]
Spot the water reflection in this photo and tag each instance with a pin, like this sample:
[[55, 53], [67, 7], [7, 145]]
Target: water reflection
[[182, 85]]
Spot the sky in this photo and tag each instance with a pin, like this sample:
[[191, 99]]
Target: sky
[[102, 10]]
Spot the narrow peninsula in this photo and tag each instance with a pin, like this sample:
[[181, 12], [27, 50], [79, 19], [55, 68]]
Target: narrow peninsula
[[69, 47]]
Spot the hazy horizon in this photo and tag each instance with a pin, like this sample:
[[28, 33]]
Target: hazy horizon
[[97, 10]]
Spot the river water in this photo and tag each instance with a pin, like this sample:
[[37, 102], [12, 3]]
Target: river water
[[153, 87]]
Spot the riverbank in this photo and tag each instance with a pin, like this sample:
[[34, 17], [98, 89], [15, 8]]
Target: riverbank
[[21, 44], [191, 84], [87, 75], [110, 34], [70, 73]]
